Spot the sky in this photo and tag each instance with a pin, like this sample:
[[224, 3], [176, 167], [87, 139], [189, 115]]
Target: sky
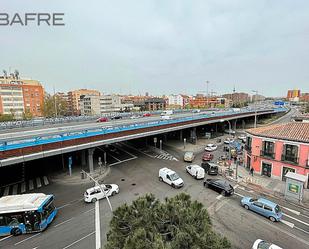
[[162, 46]]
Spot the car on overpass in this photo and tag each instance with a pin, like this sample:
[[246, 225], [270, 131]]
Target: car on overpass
[[147, 114], [102, 119], [116, 117]]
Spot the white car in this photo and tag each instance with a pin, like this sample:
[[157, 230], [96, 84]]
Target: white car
[[230, 132], [228, 140], [211, 147], [170, 177], [134, 117], [261, 244], [95, 193], [165, 117], [242, 138], [196, 171]]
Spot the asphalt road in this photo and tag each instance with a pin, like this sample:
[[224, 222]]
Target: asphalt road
[[74, 224]]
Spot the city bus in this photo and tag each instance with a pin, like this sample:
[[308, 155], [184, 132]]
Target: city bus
[[26, 213]]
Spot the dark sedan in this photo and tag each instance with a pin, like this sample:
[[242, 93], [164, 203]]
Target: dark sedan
[[221, 186], [116, 117]]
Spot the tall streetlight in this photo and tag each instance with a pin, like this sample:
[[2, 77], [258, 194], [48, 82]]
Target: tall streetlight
[[207, 82], [97, 212], [255, 113]]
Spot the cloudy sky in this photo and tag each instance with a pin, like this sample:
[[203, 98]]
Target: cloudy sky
[[162, 46]]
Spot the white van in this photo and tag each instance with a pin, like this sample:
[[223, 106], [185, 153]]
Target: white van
[[165, 117], [170, 177], [95, 193], [167, 112], [196, 171]]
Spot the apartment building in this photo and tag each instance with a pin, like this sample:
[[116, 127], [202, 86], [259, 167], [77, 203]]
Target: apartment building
[[20, 95], [274, 150], [74, 98]]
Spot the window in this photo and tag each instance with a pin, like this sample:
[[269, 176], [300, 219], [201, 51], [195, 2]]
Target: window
[[258, 204], [268, 208]]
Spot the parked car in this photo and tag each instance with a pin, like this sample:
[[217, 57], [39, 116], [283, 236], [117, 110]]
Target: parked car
[[170, 177], [189, 156], [229, 132], [242, 138], [102, 119], [116, 117], [134, 117], [262, 244], [211, 147], [210, 168], [95, 193], [196, 171], [262, 206], [207, 156], [146, 114], [221, 186], [228, 140]]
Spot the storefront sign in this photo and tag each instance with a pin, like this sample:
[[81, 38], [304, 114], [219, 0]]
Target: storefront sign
[[294, 188]]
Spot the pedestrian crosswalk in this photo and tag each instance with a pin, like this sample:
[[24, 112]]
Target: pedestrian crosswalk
[[166, 156], [23, 187]]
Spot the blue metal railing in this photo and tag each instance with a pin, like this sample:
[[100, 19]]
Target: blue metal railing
[[65, 136]]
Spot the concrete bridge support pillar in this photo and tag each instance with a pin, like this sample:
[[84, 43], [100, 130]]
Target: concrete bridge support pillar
[[181, 135], [234, 125], [83, 159], [90, 160], [243, 124], [193, 137]]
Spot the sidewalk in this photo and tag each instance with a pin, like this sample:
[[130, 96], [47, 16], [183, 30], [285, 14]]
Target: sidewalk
[[267, 185]]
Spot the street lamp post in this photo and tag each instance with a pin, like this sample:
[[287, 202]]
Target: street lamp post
[[230, 129], [255, 113], [97, 211]]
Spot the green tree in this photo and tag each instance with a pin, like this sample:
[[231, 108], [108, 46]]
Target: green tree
[[27, 114], [178, 222], [6, 117], [54, 106]]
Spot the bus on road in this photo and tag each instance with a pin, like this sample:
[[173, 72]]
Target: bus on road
[[27, 213]]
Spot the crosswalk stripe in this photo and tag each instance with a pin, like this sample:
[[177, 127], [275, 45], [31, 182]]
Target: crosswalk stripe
[[6, 191], [46, 182], [15, 189], [23, 187], [31, 187], [38, 182]]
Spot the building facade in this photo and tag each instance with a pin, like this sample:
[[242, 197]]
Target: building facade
[[74, 98], [175, 101], [89, 105], [237, 98], [18, 96], [274, 150], [154, 104]]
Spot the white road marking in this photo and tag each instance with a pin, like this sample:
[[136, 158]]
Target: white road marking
[[239, 194], [300, 221], [6, 191], [38, 182], [290, 224], [78, 240], [23, 187], [59, 224], [46, 182], [304, 215], [6, 238], [123, 161], [114, 157], [26, 239], [236, 186], [140, 151], [302, 230], [69, 203], [219, 197], [127, 152], [291, 210], [15, 189], [88, 211], [31, 187]]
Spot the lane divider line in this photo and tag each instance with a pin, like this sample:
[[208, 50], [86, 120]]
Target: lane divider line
[[27, 239], [75, 242], [6, 238], [291, 210], [300, 221], [59, 224], [290, 224]]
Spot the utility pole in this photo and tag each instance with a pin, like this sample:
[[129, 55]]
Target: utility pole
[[255, 112], [97, 212], [207, 82]]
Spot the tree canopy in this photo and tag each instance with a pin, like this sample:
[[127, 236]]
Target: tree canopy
[[178, 222]]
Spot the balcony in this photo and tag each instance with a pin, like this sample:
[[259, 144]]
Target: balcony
[[289, 159], [267, 154], [247, 148]]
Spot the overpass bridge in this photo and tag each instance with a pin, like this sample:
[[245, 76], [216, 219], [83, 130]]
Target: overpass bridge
[[22, 146]]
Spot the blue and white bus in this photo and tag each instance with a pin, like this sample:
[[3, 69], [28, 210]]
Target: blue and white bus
[[27, 213]]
